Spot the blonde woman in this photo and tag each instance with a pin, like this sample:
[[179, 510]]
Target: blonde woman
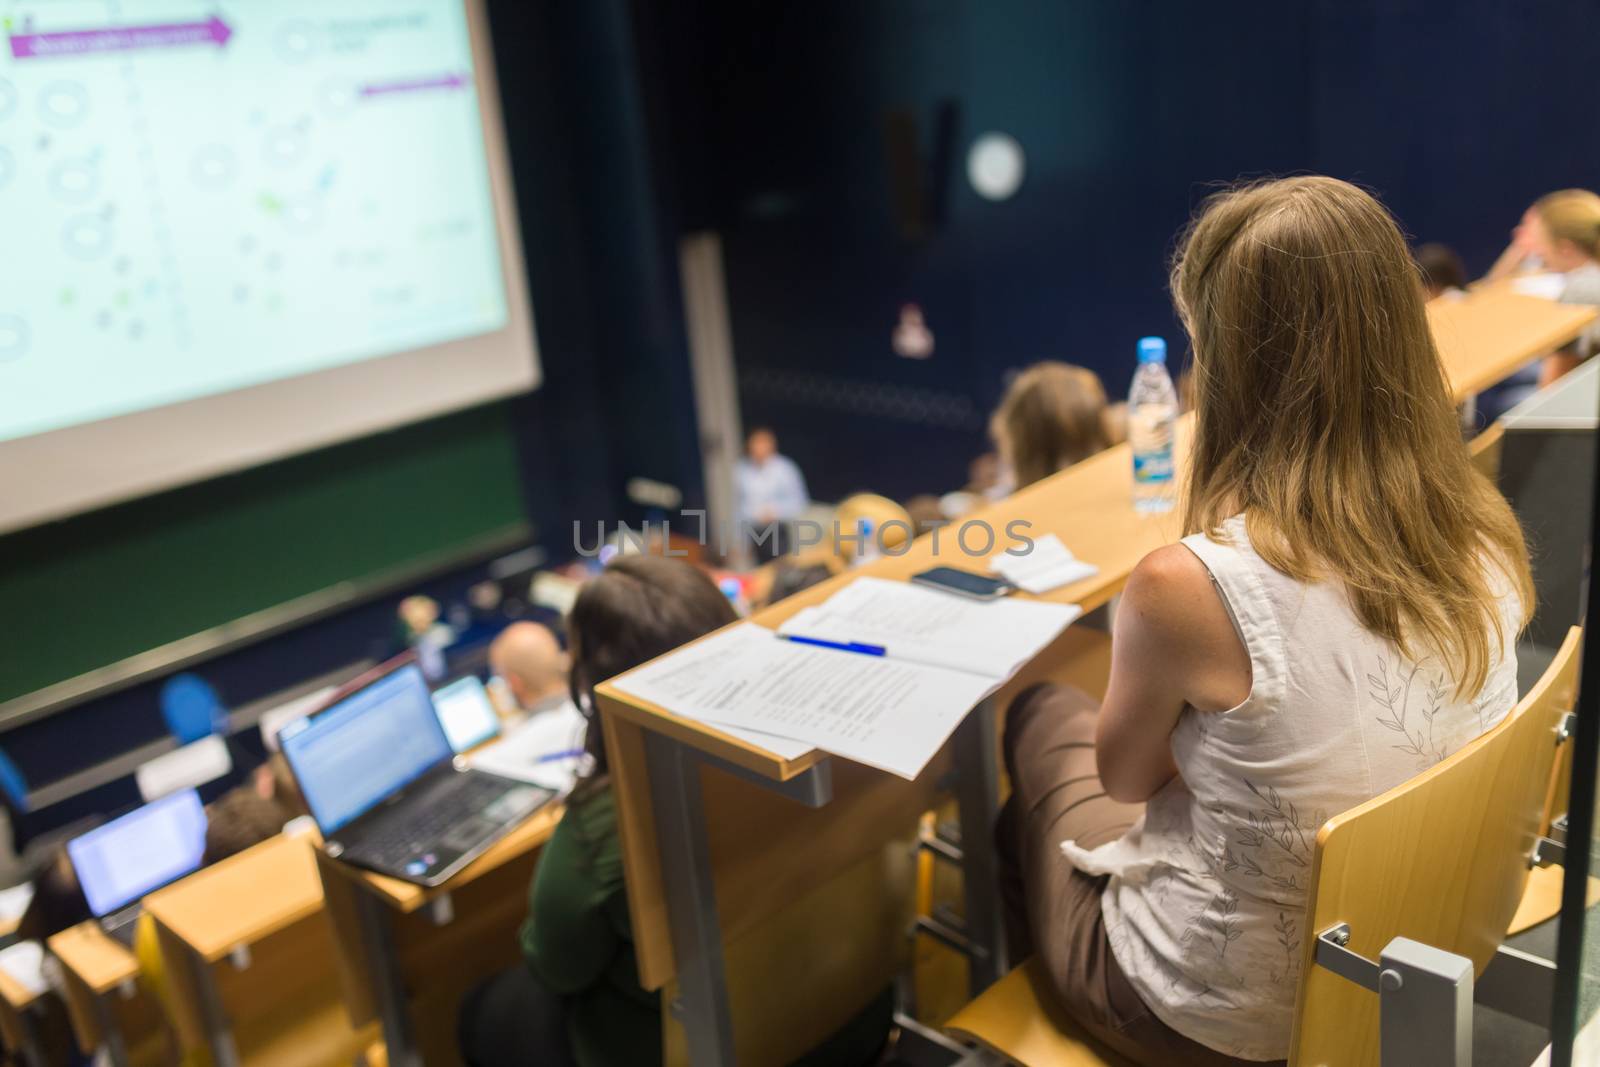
[[1565, 235], [1052, 416], [1341, 616]]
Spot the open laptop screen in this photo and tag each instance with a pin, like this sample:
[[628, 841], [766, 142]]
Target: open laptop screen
[[140, 852], [466, 713], [365, 746]]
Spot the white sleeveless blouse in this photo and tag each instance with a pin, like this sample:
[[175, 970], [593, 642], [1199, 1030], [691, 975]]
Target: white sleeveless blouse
[[1206, 906]]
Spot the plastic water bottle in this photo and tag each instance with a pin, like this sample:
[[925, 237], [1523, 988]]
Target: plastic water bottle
[[1152, 422], [867, 546]]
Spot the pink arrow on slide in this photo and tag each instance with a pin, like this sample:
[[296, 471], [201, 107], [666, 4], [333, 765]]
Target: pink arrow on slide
[[213, 31], [416, 85]]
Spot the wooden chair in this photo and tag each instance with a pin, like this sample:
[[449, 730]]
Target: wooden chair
[[1485, 450], [1541, 900], [891, 524], [1442, 859]]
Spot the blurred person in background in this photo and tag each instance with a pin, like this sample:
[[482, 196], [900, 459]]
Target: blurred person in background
[[528, 657], [1442, 270], [772, 494], [1564, 235], [1052, 416]]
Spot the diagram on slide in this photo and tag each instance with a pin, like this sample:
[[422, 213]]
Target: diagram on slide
[[197, 197]]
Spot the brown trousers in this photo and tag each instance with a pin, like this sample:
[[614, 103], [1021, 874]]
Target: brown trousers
[[1052, 908]]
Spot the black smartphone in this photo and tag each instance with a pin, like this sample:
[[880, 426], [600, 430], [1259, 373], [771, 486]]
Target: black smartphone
[[963, 583]]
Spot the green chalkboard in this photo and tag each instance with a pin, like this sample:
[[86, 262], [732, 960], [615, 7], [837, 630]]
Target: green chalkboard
[[93, 589]]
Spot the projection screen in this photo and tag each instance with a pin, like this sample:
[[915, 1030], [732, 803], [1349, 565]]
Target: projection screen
[[230, 233]]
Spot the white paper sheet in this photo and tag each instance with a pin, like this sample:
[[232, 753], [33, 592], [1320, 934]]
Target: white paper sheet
[[523, 753], [920, 625], [1544, 286], [14, 902], [885, 713], [24, 962], [1050, 565]]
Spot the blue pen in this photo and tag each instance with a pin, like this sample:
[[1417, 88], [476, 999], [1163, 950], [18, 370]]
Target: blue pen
[[842, 646], [551, 757]]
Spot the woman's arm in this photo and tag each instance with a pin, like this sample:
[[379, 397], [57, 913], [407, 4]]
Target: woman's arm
[[1174, 645], [1509, 263]]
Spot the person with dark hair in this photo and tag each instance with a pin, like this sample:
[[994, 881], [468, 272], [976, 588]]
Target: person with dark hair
[[576, 998], [58, 901], [1442, 270], [244, 816]]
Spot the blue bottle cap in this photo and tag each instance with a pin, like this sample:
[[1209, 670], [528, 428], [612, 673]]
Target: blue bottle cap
[[1152, 350]]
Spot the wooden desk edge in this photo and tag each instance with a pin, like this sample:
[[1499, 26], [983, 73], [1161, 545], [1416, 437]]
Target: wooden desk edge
[[1568, 321], [69, 945], [15, 994], [714, 742], [166, 908], [213, 948]]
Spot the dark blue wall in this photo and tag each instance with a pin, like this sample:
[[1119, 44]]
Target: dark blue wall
[[1458, 114]]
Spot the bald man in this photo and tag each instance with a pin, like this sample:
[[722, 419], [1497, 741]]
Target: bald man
[[529, 658]]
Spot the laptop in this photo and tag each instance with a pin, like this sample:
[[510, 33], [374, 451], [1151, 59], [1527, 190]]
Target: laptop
[[380, 778], [466, 713], [138, 853]]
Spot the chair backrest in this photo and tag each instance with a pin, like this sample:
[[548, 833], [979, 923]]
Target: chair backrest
[[1485, 450], [1441, 859]]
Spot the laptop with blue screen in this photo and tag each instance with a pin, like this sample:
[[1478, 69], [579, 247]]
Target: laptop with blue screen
[[466, 713], [380, 777], [118, 863]]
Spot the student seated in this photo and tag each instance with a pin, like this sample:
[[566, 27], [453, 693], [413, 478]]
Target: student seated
[[530, 660], [1560, 233], [244, 816], [1442, 270], [577, 998], [1341, 616], [1052, 416], [58, 902]]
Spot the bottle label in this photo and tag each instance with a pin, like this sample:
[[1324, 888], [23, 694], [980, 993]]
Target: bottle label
[[1152, 468]]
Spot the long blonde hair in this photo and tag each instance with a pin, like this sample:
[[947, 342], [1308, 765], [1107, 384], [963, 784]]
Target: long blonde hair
[[1322, 414], [1572, 215], [1052, 416]]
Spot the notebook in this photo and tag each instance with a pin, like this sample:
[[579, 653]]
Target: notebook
[[933, 657]]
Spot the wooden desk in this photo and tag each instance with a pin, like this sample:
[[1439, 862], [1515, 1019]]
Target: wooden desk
[[99, 974], [17, 1023], [222, 911], [689, 886], [1494, 331], [401, 945], [684, 896]]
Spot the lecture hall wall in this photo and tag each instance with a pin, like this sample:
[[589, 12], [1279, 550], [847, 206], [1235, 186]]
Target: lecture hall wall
[[1457, 113]]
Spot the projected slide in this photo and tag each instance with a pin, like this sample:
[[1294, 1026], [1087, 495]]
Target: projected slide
[[197, 197]]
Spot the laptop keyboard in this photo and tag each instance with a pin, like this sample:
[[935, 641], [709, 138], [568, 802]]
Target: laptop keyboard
[[456, 805]]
